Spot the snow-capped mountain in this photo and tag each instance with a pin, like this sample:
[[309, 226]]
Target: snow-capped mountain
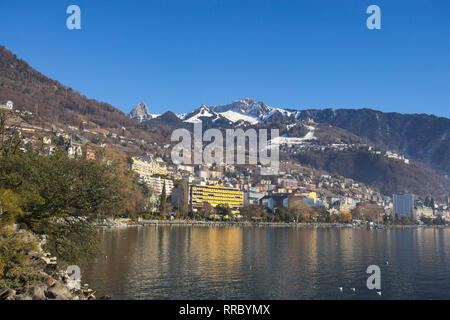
[[238, 112], [247, 110], [181, 115], [201, 114], [207, 117]]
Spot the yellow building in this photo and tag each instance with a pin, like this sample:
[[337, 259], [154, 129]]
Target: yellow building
[[148, 167], [216, 195], [310, 195]]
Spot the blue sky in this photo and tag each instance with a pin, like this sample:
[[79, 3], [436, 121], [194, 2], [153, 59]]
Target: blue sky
[[178, 55]]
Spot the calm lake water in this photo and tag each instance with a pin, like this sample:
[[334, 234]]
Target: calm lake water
[[186, 262]]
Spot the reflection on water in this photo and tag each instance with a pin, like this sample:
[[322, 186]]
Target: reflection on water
[[185, 262]]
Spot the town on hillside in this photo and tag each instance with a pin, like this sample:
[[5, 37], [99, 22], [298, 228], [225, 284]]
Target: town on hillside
[[226, 192]]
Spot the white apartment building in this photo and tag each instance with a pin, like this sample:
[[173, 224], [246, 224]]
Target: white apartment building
[[156, 184]]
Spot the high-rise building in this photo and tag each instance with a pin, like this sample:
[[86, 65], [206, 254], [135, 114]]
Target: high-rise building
[[404, 205], [180, 198]]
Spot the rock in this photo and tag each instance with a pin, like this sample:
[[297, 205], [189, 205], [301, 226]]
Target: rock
[[45, 278], [45, 259], [58, 292], [36, 292], [73, 285], [7, 294], [50, 283], [52, 295], [50, 268], [23, 296]]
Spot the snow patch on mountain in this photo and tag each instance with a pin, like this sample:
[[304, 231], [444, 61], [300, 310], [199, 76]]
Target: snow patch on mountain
[[295, 140], [235, 116], [292, 125]]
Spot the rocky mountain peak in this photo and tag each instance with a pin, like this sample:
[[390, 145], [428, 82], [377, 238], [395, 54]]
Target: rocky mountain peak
[[203, 108], [245, 106], [140, 112]]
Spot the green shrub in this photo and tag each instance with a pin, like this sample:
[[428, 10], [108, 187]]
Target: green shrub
[[16, 268]]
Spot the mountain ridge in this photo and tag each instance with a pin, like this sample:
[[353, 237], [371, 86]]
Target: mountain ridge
[[422, 137]]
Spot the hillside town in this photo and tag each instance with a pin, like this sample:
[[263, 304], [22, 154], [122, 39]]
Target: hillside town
[[238, 188], [230, 186]]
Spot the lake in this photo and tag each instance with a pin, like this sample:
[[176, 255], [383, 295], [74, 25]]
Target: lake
[[240, 262]]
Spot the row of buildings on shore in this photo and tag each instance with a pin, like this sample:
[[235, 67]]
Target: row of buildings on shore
[[227, 186]]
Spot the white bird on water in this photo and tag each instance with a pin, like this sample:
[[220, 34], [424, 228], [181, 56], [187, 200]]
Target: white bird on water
[[387, 262], [341, 289], [379, 293], [353, 289]]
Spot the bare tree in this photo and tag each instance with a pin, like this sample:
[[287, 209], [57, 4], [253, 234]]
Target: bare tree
[[10, 139]]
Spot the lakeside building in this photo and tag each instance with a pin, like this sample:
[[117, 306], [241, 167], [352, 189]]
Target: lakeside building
[[274, 202], [404, 205], [426, 212], [156, 184], [147, 166], [216, 195], [252, 196], [180, 197]]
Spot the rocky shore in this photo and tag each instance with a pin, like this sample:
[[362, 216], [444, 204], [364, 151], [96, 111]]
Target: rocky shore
[[52, 283], [226, 223]]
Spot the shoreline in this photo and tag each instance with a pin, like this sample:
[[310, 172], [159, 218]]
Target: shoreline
[[259, 224]]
